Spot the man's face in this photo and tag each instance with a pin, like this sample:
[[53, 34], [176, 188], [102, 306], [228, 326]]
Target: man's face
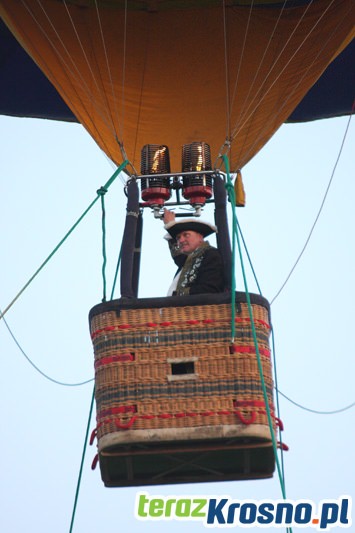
[[188, 241]]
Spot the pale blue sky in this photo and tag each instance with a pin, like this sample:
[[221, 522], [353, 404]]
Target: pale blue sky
[[49, 175]]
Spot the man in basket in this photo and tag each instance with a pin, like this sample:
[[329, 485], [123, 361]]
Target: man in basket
[[200, 264]]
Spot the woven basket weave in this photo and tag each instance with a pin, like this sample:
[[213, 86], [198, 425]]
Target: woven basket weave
[[172, 366]]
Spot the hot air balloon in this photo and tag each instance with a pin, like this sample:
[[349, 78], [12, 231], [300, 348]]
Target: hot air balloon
[[184, 386]]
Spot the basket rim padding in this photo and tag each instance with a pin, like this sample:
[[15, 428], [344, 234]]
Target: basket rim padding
[[176, 301]]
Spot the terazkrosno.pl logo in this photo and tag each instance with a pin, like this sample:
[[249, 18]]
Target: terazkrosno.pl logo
[[223, 511]]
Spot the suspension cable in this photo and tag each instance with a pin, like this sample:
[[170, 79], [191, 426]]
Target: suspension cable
[[249, 258], [319, 210], [116, 273], [286, 99], [67, 60], [261, 60], [98, 195], [316, 412], [57, 382], [102, 191], [261, 91], [108, 67], [82, 462], [231, 194]]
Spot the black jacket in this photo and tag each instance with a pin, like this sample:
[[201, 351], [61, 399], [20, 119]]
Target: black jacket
[[205, 274]]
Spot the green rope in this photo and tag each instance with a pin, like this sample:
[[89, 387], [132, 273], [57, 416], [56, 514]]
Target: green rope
[[272, 334], [249, 258], [82, 462], [102, 191], [231, 193], [277, 400], [116, 273], [106, 186], [273, 349]]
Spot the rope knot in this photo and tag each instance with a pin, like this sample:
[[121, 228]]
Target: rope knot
[[229, 186], [230, 191], [102, 191]]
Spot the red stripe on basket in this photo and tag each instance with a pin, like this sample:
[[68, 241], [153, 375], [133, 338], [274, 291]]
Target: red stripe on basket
[[258, 320], [170, 323], [126, 425], [122, 357], [118, 410], [245, 421], [248, 403], [102, 330], [238, 348]]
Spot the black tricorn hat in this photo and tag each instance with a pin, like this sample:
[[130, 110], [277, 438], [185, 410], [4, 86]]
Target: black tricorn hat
[[189, 224]]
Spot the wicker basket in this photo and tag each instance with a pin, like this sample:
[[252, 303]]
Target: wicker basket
[[169, 378]]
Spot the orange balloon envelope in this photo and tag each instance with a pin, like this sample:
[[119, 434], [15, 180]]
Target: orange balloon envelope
[[173, 72]]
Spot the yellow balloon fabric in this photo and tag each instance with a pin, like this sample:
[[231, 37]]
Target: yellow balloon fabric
[[174, 72], [240, 198]]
